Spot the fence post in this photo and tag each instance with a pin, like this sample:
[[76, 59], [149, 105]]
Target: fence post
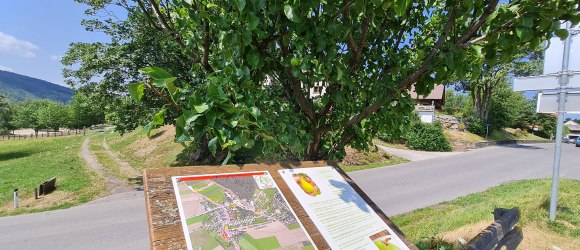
[[16, 198]]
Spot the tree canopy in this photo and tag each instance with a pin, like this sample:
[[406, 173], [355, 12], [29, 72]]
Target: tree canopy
[[252, 65]]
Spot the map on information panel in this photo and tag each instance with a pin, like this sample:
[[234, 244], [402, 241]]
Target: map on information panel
[[237, 211]]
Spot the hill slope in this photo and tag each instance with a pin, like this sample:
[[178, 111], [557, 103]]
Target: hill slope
[[20, 88]]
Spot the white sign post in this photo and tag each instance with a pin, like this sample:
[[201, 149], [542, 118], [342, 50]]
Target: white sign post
[[567, 77]]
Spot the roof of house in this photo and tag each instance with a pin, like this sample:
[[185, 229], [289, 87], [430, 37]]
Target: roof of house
[[438, 93], [574, 127], [571, 123]]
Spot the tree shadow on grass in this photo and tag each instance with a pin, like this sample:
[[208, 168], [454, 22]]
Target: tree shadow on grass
[[4, 156]]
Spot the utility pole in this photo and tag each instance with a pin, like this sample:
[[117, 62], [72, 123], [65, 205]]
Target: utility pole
[[564, 74]]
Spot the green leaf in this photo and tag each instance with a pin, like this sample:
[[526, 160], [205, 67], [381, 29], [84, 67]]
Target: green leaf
[[155, 73], [255, 112], [201, 108], [477, 50], [159, 118], [527, 21], [212, 145], [524, 34], [228, 157], [291, 14], [241, 4], [295, 61], [254, 21], [170, 86], [215, 93], [339, 74], [561, 33], [189, 116], [253, 58], [136, 91], [211, 5], [401, 7]]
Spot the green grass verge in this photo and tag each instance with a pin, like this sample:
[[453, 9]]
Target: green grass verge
[[531, 196], [25, 164], [392, 161]]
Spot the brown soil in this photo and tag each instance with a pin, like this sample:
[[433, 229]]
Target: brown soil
[[535, 237], [358, 158]]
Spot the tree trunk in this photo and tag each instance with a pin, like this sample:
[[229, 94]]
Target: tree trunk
[[202, 155]]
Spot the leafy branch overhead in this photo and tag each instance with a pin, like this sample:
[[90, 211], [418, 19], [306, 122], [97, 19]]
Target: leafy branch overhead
[[255, 64]]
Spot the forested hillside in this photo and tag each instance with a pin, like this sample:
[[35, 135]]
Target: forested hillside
[[20, 88]]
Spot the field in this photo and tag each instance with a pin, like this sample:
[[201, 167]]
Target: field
[[214, 193], [25, 164], [464, 217]]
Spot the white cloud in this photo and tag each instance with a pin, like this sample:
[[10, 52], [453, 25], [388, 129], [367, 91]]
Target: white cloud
[[5, 68], [55, 58], [12, 45]]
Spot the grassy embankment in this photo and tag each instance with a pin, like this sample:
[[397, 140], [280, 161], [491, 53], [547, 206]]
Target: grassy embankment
[[135, 150], [464, 217], [160, 151], [25, 164]]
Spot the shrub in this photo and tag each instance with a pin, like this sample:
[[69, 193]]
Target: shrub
[[476, 127], [428, 137]]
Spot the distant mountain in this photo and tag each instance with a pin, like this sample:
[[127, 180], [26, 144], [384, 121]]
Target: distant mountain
[[21, 88]]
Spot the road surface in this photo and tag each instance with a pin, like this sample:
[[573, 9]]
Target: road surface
[[405, 187], [119, 221]]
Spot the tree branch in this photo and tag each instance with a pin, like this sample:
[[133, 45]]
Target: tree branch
[[165, 98], [206, 44], [406, 83], [471, 32], [297, 89]]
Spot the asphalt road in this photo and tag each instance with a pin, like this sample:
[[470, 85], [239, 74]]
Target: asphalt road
[[119, 221], [409, 186], [115, 222]]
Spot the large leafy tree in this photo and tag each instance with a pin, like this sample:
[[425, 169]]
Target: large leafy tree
[[84, 111], [6, 113], [52, 115], [482, 84], [26, 115], [254, 63], [102, 70]]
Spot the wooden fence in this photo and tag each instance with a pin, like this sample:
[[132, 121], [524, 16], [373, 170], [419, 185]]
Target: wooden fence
[[501, 234], [42, 135]]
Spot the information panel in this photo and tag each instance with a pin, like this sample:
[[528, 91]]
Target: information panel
[[344, 219], [237, 211]]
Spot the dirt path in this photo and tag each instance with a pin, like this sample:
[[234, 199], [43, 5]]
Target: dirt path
[[124, 166], [113, 184]]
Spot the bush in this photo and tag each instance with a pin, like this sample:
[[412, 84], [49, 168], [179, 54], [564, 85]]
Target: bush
[[428, 137], [476, 127]]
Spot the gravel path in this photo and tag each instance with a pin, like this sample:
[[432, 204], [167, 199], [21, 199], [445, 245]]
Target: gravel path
[[113, 184]]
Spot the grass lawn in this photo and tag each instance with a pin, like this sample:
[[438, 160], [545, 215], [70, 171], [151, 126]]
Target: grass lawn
[[25, 164], [468, 215], [214, 193]]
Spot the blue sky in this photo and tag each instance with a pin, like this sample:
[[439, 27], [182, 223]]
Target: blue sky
[[35, 34]]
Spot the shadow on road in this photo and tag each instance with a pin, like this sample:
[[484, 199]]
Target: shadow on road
[[521, 146]]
